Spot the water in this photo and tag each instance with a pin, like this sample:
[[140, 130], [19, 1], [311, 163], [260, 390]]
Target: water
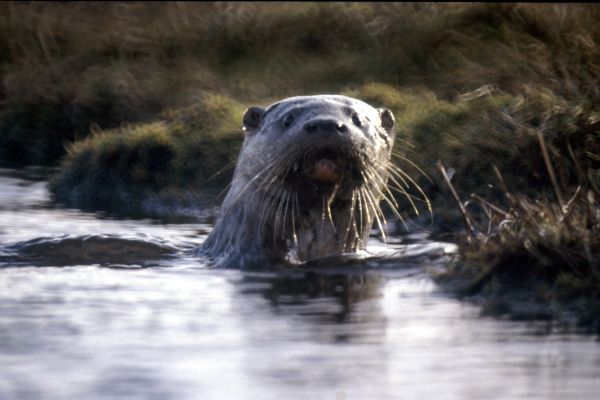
[[118, 325]]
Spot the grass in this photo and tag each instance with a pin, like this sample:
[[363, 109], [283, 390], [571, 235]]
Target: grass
[[539, 256], [179, 160], [126, 62], [141, 103], [540, 261]]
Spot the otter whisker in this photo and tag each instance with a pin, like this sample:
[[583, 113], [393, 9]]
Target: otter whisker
[[266, 184], [250, 182], [329, 202], [373, 190], [391, 202], [267, 209], [398, 188], [372, 194], [379, 193], [352, 221], [329, 215], [278, 214], [376, 179], [271, 214], [225, 168], [387, 189], [395, 174], [401, 185], [225, 189], [368, 207], [362, 210], [285, 212], [404, 158], [394, 210], [392, 171], [401, 172], [323, 212], [295, 207], [377, 212], [270, 167]]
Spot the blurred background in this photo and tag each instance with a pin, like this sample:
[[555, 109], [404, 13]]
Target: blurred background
[[148, 97]]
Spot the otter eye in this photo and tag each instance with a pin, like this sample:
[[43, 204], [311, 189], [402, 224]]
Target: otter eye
[[356, 120], [287, 121]]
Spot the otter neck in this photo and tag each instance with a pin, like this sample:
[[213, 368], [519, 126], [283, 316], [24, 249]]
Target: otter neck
[[278, 228]]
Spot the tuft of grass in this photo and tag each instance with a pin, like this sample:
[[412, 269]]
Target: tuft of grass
[[471, 135], [541, 261], [182, 155], [537, 255]]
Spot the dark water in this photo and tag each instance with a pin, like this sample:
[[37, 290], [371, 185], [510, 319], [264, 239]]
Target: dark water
[[115, 309]]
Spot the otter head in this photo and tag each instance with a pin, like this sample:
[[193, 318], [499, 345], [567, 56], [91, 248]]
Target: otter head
[[309, 177]]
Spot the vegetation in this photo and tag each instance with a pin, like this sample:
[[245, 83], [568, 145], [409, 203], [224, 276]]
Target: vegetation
[[148, 97], [173, 166], [126, 62], [540, 262], [540, 256]]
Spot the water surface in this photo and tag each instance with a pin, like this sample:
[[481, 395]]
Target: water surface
[[155, 323]]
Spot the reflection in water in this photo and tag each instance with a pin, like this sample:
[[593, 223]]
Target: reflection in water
[[289, 289], [323, 298], [376, 329]]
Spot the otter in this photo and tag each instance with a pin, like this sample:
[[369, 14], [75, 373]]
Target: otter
[[307, 184]]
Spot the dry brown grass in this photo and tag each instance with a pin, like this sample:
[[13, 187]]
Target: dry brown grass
[[542, 249], [65, 66]]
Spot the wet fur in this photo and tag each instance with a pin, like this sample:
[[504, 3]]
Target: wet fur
[[272, 213]]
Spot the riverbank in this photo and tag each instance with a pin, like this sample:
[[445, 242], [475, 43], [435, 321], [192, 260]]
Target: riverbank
[[148, 99], [539, 258], [530, 254]]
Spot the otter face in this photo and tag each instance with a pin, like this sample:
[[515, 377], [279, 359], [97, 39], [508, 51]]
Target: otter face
[[308, 181], [319, 144]]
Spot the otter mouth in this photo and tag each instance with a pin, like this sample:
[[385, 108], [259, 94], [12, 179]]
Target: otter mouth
[[326, 172], [326, 166]]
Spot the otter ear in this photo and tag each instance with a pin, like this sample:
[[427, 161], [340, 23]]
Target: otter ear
[[387, 119], [252, 118]]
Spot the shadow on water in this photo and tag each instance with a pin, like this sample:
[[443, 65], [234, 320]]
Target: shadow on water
[[105, 250], [296, 292], [340, 298]]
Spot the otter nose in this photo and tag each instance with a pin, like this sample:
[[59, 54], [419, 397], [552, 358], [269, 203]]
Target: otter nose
[[325, 127]]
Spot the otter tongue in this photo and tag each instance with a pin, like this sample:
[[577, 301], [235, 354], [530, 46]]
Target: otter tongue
[[325, 170]]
